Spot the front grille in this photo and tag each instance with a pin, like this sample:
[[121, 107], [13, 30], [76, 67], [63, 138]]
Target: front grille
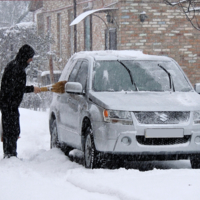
[[162, 141], [165, 117]]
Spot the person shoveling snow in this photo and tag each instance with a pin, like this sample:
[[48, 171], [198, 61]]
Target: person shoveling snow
[[13, 87]]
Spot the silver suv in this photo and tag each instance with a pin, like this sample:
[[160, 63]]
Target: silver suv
[[126, 106]]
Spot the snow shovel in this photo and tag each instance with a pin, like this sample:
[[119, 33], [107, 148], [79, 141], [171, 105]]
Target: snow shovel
[[58, 87]]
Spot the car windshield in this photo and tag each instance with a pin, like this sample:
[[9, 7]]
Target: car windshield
[[130, 75]]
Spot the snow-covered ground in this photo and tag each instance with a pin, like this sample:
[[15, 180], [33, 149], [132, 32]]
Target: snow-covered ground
[[47, 174]]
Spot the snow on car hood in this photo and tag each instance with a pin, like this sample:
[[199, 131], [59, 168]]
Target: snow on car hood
[[147, 101]]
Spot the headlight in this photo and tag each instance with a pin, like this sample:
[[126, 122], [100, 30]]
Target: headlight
[[116, 116], [196, 117]]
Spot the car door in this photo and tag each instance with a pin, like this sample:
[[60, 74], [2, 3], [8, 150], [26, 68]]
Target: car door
[[73, 105], [65, 115]]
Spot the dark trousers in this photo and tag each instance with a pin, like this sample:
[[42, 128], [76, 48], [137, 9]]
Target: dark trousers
[[11, 131]]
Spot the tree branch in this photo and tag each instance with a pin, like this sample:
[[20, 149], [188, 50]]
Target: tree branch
[[190, 9]]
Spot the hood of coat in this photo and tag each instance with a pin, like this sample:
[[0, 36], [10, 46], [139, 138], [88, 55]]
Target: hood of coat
[[25, 52]]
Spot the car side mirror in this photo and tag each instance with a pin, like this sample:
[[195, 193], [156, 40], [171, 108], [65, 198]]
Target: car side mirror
[[73, 87], [197, 88]]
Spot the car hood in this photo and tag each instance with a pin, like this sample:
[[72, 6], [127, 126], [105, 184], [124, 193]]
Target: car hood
[[147, 101]]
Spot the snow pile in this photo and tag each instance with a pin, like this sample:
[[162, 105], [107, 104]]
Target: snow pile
[[25, 25], [49, 174], [44, 73]]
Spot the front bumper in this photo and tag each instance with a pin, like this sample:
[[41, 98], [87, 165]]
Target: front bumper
[[109, 139]]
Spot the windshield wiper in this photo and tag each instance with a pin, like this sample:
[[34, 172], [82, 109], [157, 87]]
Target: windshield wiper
[[129, 71], [170, 78]]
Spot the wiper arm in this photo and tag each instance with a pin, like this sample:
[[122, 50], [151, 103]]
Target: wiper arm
[[170, 78], [129, 71]]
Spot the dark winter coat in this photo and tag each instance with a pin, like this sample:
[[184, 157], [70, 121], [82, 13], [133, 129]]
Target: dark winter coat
[[13, 85]]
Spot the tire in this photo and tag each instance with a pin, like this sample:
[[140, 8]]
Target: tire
[[195, 161], [145, 166], [90, 153], [54, 135]]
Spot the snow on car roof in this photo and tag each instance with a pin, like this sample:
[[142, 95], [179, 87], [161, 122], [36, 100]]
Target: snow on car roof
[[121, 54]]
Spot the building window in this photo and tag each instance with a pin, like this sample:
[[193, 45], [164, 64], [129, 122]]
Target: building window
[[59, 33], [49, 30], [106, 39], [40, 24], [70, 34], [111, 39], [48, 25], [88, 33], [11, 47]]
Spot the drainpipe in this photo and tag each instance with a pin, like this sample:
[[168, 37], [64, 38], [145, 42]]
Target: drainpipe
[[75, 30]]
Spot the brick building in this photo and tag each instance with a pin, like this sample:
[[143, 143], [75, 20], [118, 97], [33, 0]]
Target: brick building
[[164, 31]]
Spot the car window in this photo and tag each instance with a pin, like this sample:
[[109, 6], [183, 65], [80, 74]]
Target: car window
[[111, 76], [73, 74], [150, 77], [145, 75], [82, 74]]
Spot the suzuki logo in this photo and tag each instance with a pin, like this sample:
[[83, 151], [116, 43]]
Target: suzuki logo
[[162, 117]]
